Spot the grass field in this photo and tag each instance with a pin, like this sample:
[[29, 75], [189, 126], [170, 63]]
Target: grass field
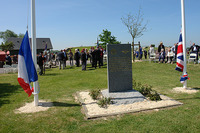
[[58, 86]]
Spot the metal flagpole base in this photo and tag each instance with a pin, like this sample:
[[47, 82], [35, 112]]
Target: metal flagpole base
[[35, 93], [185, 85]]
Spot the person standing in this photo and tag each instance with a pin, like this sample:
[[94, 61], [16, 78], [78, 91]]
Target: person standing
[[70, 54], [93, 55], [8, 60], [77, 58], [61, 58], [90, 55], [65, 58], [15, 60], [161, 46], [98, 52], [87, 55], [141, 53], [83, 59], [101, 56], [41, 62], [145, 54], [56, 59]]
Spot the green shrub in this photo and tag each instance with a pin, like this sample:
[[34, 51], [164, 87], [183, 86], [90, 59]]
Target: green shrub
[[146, 91], [154, 96], [95, 94], [104, 102]]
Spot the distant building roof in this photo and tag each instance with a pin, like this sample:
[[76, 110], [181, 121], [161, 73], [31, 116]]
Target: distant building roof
[[41, 43]]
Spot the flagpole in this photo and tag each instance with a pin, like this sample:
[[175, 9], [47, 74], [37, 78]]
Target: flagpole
[[33, 34], [184, 41]]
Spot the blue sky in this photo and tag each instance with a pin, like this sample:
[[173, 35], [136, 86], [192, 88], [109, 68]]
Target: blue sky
[[78, 22]]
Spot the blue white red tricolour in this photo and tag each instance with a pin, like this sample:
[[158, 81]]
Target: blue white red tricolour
[[26, 68], [180, 60]]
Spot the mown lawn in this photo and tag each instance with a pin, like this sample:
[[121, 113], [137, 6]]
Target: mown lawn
[[58, 86]]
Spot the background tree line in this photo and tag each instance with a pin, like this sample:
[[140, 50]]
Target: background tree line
[[4, 35]]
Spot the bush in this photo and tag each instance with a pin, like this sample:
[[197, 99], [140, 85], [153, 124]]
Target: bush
[[146, 91], [154, 96], [104, 101], [95, 94]]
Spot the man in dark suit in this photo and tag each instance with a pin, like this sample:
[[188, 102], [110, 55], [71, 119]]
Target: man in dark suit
[[40, 62], [61, 58], [98, 53], [101, 55], [93, 55]]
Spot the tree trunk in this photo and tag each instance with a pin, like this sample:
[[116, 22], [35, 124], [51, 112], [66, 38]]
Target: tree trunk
[[133, 51]]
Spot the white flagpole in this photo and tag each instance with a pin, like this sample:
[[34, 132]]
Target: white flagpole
[[184, 41], [33, 34]]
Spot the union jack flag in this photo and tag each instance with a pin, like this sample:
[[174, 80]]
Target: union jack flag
[[184, 78], [180, 60]]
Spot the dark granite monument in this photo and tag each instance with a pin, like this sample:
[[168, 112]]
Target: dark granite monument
[[119, 67], [120, 75]]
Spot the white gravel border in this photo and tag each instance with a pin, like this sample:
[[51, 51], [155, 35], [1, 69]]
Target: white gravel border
[[185, 90], [92, 110]]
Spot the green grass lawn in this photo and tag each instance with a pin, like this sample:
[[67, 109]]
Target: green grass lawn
[[58, 86]]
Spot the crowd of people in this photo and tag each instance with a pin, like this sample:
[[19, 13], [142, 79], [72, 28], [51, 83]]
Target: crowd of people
[[165, 55], [10, 61], [93, 55]]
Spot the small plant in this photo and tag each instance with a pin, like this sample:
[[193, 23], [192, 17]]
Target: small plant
[[146, 91], [104, 102], [154, 96], [95, 94]]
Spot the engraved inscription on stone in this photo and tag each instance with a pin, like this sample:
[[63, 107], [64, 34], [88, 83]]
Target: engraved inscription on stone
[[119, 67]]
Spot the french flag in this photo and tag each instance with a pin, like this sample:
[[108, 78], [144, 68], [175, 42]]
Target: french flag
[[180, 60], [26, 68]]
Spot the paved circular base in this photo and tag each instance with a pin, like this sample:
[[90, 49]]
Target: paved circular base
[[30, 108], [185, 90], [126, 97]]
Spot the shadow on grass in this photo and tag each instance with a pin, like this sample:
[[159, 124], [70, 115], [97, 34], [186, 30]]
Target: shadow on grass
[[192, 98], [51, 74], [91, 69], [6, 90], [60, 104], [104, 66], [196, 88]]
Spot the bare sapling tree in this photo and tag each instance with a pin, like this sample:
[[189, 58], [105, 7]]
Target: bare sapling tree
[[135, 26]]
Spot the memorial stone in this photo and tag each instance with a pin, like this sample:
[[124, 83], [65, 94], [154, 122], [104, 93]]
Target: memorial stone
[[119, 67]]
